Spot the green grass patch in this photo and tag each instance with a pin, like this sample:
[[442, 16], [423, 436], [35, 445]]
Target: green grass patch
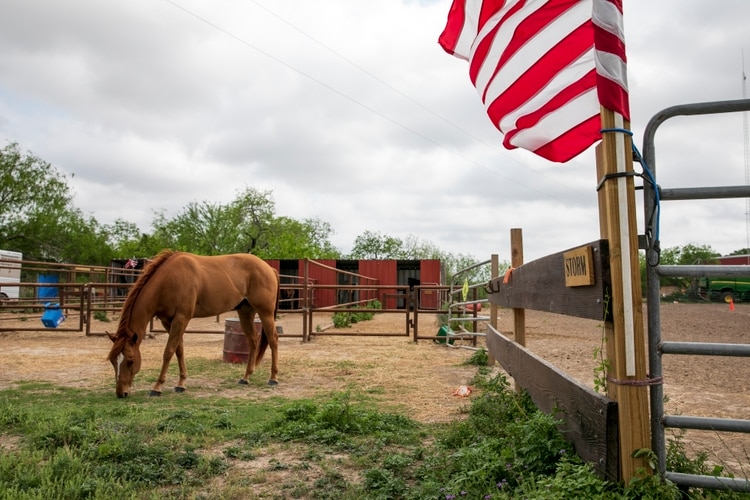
[[71, 443]]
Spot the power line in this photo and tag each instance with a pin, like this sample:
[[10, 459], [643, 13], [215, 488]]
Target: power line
[[365, 106]]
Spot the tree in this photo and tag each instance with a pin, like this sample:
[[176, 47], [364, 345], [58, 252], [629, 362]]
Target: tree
[[293, 239], [685, 255], [246, 224], [375, 245], [127, 240], [689, 254], [208, 228], [414, 248], [36, 212]]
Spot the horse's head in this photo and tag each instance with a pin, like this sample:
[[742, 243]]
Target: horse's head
[[125, 357]]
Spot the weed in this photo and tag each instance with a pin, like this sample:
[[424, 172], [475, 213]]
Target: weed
[[602, 369], [101, 316], [478, 358], [346, 319]]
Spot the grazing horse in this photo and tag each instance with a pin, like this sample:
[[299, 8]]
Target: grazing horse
[[178, 286]]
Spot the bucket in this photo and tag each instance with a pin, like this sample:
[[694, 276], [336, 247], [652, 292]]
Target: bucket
[[236, 349], [444, 333], [52, 316]]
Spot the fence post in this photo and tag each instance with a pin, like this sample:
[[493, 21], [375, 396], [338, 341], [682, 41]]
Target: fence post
[[306, 304], [494, 272], [626, 350], [516, 260]]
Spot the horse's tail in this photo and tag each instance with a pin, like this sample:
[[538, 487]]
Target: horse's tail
[[278, 295], [261, 347], [263, 335]]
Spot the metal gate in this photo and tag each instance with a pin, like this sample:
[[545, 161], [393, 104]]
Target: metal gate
[[653, 196]]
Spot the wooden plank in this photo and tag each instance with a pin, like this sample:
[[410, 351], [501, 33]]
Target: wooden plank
[[540, 285], [589, 419]]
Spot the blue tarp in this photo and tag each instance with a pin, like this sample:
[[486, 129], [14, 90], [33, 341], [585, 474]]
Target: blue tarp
[[47, 292]]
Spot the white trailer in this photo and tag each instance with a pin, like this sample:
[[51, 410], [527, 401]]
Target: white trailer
[[10, 272]]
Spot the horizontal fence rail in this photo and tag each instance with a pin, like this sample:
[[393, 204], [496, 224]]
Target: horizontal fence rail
[[82, 303]]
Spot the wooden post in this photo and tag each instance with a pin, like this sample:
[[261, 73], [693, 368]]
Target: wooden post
[[516, 260], [519, 314], [626, 350], [494, 273]]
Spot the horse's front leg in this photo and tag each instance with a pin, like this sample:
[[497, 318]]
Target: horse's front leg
[[166, 358], [174, 344]]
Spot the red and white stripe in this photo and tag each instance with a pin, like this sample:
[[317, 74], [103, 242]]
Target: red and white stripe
[[543, 67]]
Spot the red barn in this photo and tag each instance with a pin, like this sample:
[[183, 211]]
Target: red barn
[[362, 273]]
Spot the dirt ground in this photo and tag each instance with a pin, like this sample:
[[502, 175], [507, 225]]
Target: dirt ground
[[418, 377]]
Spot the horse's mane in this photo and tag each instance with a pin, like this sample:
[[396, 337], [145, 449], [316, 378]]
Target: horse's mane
[[123, 329]]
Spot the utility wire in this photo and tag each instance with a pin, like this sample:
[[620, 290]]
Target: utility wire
[[361, 104]]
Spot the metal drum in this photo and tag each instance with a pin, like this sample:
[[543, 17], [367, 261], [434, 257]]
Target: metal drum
[[236, 349]]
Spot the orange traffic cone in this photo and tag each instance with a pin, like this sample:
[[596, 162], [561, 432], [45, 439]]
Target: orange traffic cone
[[731, 303]]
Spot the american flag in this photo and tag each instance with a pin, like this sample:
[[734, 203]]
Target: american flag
[[543, 68]]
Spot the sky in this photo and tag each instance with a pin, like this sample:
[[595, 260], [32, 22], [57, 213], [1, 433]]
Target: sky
[[348, 111]]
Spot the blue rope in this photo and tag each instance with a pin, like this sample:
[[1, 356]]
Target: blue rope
[[646, 171]]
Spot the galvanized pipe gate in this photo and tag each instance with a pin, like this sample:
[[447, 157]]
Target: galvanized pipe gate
[[653, 195]]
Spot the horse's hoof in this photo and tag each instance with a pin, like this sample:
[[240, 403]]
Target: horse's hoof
[[154, 393], [179, 389], [242, 381], [273, 383]]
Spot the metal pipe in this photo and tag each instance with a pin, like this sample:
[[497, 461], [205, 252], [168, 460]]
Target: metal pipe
[[713, 482], [705, 349], [707, 423]]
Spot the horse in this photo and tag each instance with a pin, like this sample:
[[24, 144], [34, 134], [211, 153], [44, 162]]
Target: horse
[[178, 286]]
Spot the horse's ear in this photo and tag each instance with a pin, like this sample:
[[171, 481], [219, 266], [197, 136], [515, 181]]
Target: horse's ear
[[111, 336], [134, 339]]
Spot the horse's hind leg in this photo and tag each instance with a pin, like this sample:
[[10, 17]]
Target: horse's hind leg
[[270, 339], [180, 387], [247, 322]]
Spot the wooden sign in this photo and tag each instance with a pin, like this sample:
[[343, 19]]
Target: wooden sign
[[541, 285], [579, 267]]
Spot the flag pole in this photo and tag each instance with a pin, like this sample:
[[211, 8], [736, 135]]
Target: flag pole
[[626, 347]]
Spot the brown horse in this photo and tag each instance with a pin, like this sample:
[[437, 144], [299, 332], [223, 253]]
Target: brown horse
[[178, 286]]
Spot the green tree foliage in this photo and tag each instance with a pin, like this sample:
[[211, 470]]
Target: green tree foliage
[[293, 239], [127, 240], [685, 255], [78, 239], [31, 190], [210, 228], [376, 245], [37, 216], [246, 224], [690, 254], [414, 248]]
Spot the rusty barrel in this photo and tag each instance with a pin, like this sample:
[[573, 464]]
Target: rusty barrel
[[236, 349]]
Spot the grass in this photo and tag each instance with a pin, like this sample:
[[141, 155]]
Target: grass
[[71, 443]]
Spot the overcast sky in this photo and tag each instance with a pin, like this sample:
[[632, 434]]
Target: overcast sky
[[350, 112]]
